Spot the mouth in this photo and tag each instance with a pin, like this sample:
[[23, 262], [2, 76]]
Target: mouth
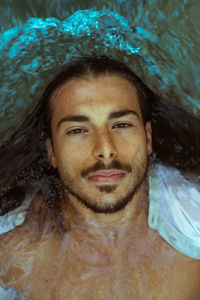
[[106, 176]]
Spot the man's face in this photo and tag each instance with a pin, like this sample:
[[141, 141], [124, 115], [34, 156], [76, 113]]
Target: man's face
[[100, 144]]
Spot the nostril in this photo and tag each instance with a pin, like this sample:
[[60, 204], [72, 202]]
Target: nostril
[[111, 155]]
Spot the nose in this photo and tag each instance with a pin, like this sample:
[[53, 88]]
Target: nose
[[104, 148]]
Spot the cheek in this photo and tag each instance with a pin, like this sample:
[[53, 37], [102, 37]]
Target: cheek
[[134, 144], [71, 159], [134, 150]]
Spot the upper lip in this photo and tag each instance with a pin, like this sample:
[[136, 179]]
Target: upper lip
[[106, 173]]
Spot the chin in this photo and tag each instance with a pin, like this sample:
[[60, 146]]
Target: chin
[[110, 202]]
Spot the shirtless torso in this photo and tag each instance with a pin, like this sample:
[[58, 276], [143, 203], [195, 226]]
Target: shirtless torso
[[41, 262]]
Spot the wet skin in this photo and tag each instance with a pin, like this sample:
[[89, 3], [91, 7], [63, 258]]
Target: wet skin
[[103, 255], [99, 137]]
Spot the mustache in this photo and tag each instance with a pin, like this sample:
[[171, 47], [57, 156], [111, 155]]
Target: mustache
[[99, 166]]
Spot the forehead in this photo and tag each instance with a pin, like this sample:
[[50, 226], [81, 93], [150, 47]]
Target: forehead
[[92, 94]]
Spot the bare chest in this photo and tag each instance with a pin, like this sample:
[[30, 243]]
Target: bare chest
[[85, 271], [129, 278]]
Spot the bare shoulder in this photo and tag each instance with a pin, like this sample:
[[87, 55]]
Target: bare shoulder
[[24, 249], [29, 231], [177, 271]]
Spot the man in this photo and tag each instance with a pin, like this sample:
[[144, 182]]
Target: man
[[99, 140]]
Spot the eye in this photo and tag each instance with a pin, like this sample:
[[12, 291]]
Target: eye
[[76, 131], [123, 125]]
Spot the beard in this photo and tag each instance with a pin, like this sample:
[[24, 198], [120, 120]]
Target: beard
[[111, 198]]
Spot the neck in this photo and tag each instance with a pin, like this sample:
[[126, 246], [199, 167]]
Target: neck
[[108, 226]]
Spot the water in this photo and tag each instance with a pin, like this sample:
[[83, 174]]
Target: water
[[158, 40], [161, 52]]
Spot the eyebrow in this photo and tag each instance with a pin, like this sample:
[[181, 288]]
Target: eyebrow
[[83, 118], [122, 113]]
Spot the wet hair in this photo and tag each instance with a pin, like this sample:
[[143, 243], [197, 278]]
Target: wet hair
[[94, 67], [23, 159]]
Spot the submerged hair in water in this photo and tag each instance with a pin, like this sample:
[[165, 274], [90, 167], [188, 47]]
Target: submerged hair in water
[[24, 162]]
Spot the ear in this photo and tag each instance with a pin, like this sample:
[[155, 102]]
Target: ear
[[149, 137], [51, 155]]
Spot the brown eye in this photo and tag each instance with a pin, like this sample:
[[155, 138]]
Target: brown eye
[[76, 131], [122, 125]]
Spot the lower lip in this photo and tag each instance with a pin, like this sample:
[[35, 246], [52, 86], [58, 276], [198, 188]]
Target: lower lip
[[106, 179]]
